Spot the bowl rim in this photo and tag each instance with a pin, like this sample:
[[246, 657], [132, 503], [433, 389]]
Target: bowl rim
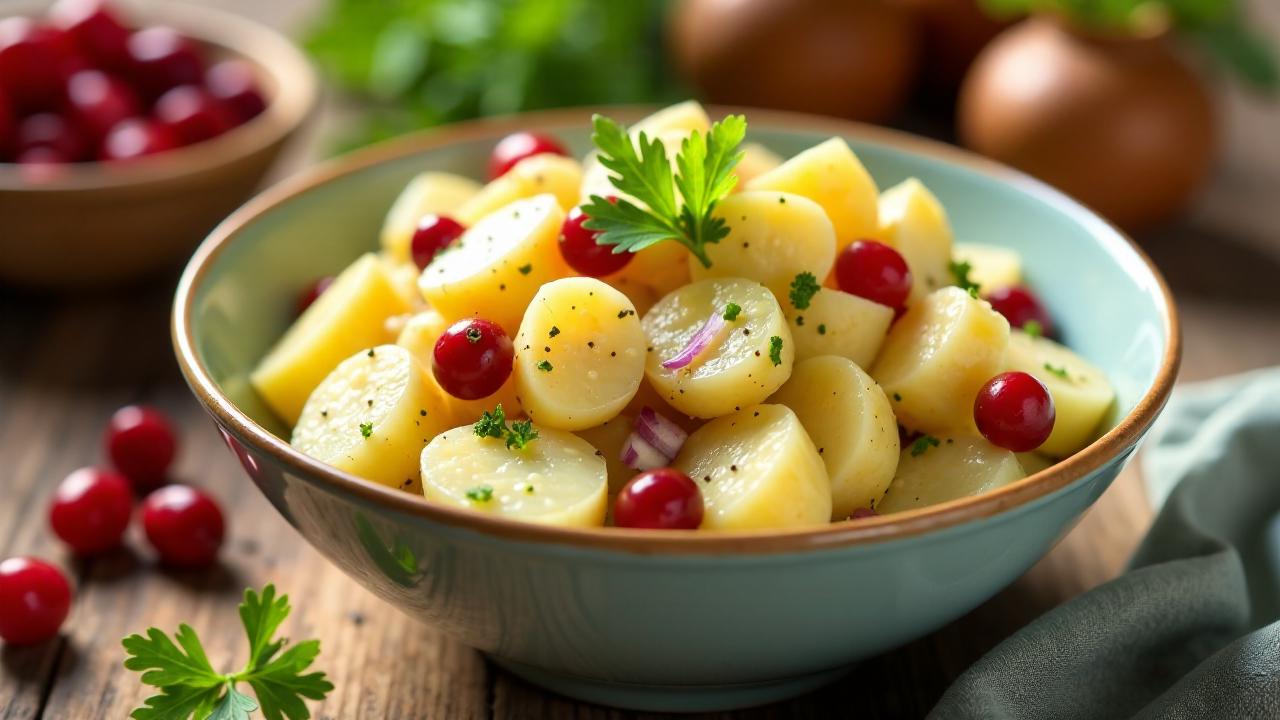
[[296, 91], [1125, 434]]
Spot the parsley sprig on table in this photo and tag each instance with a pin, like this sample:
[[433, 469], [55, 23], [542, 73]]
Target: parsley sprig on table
[[704, 174], [191, 688]]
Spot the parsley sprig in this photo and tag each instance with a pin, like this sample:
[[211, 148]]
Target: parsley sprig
[[960, 271], [494, 424], [190, 687], [704, 174]]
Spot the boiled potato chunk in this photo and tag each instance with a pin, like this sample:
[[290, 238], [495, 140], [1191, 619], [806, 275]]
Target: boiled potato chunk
[[914, 223], [838, 323], [684, 118], [757, 468], [349, 316], [990, 266], [735, 370], [497, 266], [419, 337], [756, 161], [1033, 462], [1081, 393], [557, 479], [849, 419], [660, 268], [546, 173], [608, 439], [372, 416], [430, 193], [580, 354], [955, 468], [773, 236], [937, 357], [832, 176]]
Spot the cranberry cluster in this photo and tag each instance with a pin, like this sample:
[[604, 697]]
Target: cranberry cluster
[[80, 86]]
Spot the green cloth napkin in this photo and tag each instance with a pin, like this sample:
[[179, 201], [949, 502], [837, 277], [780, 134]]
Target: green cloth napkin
[[1191, 629]]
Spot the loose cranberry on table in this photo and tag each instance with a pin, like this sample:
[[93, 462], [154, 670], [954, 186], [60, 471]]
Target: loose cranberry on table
[[192, 114], [518, 146], [136, 137], [55, 132], [661, 499], [95, 30], [1020, 306], [472, 359], [184, 525], [433, 234], [1014, 411], [162, 59], [99, 102], [579, 248], [232, 83], [874, 271], [312, 293], [141, 444], [91, 510], [35, 598], [32, 60]]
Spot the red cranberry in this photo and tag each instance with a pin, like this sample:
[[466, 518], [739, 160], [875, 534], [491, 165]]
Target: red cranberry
[[472, 359], [233, 83], [34, 600], [99, 102], [184, 525], [433, 234], [192, 114], [579, 248], [162, 59], [1014, 411], [95, 30], [518, 146], [8, 128], [313, 291], [661, 499], [141, 444], [47, 130], [1020, 306], [874, 271], [136, 137], [863, 512], [32, 59], [91, 510]]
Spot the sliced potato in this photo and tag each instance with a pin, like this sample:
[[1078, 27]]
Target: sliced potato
[[735, 370], [773, 236], [955, 468], [430, 193], [558, 479], [661, 268], [351, 315], [1081, 393], [838, 323], [536, 175], [832, 176], [608, 439], [756, 161], [404, 278], [937, 357], [757, 468], [580, 354], [990, 266], [848, 417], [1033, 462], [497, 266], [372, 416], [684, 118], [913, 222], [419, 337]]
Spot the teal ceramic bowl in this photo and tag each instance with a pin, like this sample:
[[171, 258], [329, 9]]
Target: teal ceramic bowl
[[678, 620]]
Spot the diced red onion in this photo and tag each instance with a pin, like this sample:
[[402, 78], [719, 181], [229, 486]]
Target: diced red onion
[[663, 434], [697, 343], [640, 455]]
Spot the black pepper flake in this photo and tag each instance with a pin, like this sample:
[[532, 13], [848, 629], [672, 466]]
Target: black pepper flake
[[371, 352], [546, 348], [755, 414], [526, 347], [613, 354], [820, 450], [746, 245], [800, 320], [591, 343], [502, 286], [624, 313], [599, 453], [782, 200], [706, 478], [757, 353], [649, 349], [822, 329], [525, 269], [370, 401], [554, 331], [423, 413], [746, 331], [324, 413], [733, 468], [897, 397]]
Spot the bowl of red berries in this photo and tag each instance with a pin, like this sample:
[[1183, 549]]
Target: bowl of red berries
[[126, 133]]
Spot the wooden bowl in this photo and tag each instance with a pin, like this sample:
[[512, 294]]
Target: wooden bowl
[[97, 224]]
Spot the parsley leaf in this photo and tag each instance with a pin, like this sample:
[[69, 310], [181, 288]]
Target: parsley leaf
[[641, 170], [803, 288], [960, 271], [1059, 371], [491, 424], [494, 425], [366, 430], [1033, 328], [922, 445], [775, 350], [521, 434], [190, 687], [545, 366], [731, 311], [480, 493]]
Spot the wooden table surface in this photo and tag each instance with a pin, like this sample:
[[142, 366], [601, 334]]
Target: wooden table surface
[[67, 362]]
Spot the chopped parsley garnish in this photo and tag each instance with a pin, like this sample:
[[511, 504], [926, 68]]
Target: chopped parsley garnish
[[492, 424], [1059, 371], [189, 686], [822, 329], [473, 335], [641, 170], [521, 434], [480, 493], [545, 366], [775, 350], [731, 311], [922, 444], [525, 269], [554, 331], [803, 288], [960, 271], [366, 430], [1033, 328]]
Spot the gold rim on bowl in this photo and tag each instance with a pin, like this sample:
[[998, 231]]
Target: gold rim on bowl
[[686, 542]]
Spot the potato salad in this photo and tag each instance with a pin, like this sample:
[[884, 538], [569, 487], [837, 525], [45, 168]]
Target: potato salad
[[680, 331]]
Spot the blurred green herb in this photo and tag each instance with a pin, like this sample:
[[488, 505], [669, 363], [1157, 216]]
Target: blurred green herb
[[417, 63]]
